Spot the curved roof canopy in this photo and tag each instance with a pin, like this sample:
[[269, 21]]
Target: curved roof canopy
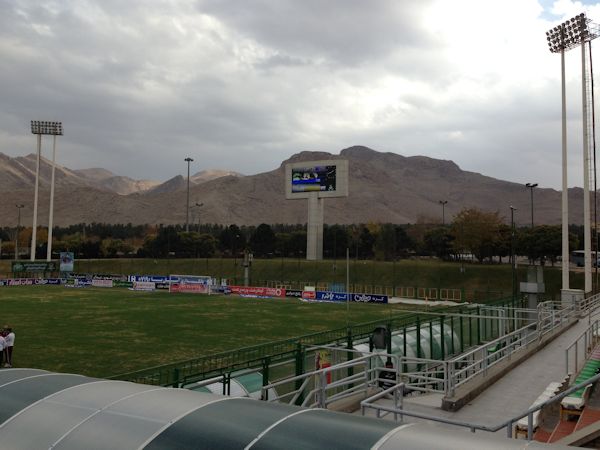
[[42, 410]]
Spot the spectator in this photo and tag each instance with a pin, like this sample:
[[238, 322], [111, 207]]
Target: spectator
[[387, 378], [10, 343], [2, 347]]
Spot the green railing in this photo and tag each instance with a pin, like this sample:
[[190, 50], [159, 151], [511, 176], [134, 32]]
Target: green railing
[[263, 355]]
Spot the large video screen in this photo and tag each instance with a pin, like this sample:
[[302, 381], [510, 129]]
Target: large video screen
[[314, 179]]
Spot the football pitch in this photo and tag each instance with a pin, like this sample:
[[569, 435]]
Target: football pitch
[[104, 332]]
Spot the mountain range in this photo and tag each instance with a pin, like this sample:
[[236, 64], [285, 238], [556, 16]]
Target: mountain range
[[383, 187]]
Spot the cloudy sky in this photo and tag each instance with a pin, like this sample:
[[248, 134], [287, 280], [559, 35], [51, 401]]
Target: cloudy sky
[[243, 85]]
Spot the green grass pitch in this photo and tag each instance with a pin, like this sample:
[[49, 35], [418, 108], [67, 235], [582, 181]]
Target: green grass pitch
[[104, 332]]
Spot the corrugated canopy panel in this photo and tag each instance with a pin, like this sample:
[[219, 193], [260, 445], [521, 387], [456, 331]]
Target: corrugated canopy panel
[[42, 410]]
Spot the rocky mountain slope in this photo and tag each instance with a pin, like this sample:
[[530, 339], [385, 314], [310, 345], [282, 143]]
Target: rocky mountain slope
[[383, 187]]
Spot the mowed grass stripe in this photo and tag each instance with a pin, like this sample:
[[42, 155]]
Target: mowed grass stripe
[[103, 332]]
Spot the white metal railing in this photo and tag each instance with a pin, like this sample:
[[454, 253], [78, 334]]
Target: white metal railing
[[428, 375], [579, 351], [399, 412], [446, 376], [590, 304], [321, 387], [317, 389], [478, 361], [354, 372]]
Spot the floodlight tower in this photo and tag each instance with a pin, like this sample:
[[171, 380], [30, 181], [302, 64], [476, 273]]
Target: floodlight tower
[[568, 35], [531, 187], [19, 207], [443, 203], [54, 129], [188, 160]]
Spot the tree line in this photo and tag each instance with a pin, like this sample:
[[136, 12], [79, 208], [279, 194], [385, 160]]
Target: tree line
[[473, 233]]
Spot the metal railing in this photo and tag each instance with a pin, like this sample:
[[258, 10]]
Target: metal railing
[[590, 304], [446, 376], [318, 388], [398, 411], [579, 351]]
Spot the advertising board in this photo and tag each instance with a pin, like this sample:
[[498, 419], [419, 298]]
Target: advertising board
[[195, 288], [99, 282], [325, 296], [293, 293], [143, 286], [45, 281], [78, 282], [333, 296], [309, 295], [153, 278], [33, 266], [20, 281], [369, 298], [67, 261], [257, 291]]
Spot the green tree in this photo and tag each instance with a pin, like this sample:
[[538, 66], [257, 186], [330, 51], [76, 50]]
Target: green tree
[[115, 247], [262, 241], [476, 231], [232, 240], [438, 241], [335, 241], [544, 242]]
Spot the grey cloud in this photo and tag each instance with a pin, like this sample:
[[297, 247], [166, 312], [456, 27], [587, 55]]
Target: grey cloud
[[137, 95], [346, 31]]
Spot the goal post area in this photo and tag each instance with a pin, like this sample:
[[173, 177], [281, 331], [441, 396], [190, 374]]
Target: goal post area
[[196, 284]]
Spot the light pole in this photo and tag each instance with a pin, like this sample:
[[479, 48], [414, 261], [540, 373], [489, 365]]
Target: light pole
[[199, 205], [39, 127], [531, 186], [513, 259], [19, 207], [566, 36], [443, 203], [188, 160]]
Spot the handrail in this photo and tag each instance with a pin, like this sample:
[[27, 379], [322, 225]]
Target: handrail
[[468, 365], [508, 424], [590, 337], [320, 381]]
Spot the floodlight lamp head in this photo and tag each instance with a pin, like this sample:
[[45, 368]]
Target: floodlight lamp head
[[569, 34], [46, 127]]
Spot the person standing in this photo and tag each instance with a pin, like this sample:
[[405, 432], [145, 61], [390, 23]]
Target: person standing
[[2, 346], [9, 345]]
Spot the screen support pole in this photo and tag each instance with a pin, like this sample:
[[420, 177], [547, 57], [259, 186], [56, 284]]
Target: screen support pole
[[314, 229]]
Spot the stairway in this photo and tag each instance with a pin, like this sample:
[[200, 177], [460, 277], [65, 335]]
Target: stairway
[[563, 429], [590, 413]]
